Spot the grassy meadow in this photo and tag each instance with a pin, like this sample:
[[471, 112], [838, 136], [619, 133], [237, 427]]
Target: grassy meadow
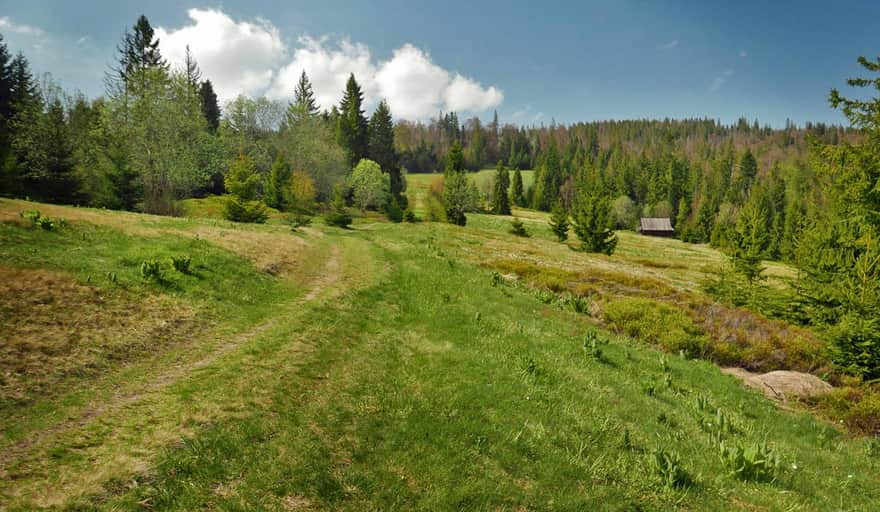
[[417, 184], [393, 367]]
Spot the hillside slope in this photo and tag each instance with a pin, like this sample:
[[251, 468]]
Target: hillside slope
[[381, 367]]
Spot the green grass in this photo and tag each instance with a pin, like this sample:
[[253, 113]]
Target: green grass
[[417, 184], [422, 383]]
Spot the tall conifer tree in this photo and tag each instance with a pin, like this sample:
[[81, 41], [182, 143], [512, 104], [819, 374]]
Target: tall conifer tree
[[352, 125]]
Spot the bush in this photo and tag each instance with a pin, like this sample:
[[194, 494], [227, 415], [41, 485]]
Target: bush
[[656, 323], [518, 228], [338, 216], [181, 264], [393, 211], [151, 270], [858, 406], [409, 215], [298, 220], [239, 210]]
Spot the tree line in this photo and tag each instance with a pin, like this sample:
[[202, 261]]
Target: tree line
[[158, 135]]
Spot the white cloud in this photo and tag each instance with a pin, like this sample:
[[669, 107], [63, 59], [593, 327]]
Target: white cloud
[[743, 53], [328, 68], [238, 57], [242, 57], [83, 40], [466, 94], [670, 45], [414, 86], [8, 25], [720, 80]]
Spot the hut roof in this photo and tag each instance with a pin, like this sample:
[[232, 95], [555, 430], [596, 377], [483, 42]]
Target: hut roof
[[655, 224]]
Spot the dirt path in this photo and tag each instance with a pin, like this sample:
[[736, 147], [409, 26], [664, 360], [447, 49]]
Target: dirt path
[[42, 439]]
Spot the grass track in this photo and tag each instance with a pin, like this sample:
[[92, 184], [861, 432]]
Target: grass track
[[406, 380]]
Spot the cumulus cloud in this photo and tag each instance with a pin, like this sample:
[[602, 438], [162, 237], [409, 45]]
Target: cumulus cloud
[[239, 57], [670, 45], [8, 25], [720, 80], [250, 57], [414, 86], [328, 67]]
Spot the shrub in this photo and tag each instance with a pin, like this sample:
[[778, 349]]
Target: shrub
[[298, 220], [337, 215], [393, 211], [181, 264], [409, 215], [239, 210], [757, 463], [667, 465], [369, 185], [151, 270], [656, 323], [518, 228], [858, 406]]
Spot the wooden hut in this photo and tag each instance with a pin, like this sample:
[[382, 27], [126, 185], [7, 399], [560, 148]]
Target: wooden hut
[[656, 226]]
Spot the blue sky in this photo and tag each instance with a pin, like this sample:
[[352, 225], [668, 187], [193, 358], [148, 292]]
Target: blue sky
[[533, 62]]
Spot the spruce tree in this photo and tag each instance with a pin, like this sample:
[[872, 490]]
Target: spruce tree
[[548, 179], [5, 92], [517, 193], [681, 219], [278, 180], [26, 163], [381, 148], [593, 220], [455, 186], [138, 52], [839, 253], [559, 221], [304, 103], [191, 70], [210, 105], [23, 90], [58, 183], [750, 241], [500, 199], [352, 125]]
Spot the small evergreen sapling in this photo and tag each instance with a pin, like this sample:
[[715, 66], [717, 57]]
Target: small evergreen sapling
[[559, 222], [518, 228]]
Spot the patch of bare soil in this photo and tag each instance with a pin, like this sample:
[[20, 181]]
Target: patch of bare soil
[[782, 385]]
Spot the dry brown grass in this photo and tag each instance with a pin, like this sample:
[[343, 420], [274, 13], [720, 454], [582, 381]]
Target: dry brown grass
[[54, 328]]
